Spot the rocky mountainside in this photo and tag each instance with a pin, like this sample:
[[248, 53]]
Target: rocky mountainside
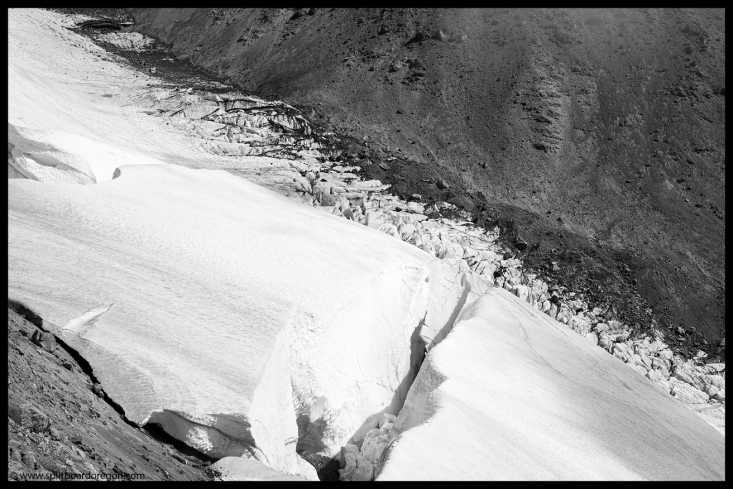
[[596, 137]]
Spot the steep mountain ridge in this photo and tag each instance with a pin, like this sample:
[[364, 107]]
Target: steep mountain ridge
[[599, 132]]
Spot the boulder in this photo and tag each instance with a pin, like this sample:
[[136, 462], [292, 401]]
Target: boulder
[[28, 415], [45, 340], [29, 459], [439, 35]]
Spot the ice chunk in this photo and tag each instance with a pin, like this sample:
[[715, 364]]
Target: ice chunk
[[375, 442]]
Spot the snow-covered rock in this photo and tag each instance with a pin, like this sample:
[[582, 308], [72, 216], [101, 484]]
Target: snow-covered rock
[[540, 402]]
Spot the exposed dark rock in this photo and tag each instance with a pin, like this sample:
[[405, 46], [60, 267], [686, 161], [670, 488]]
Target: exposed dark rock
[[440, 36], [27, 415], [46, 419], [29, 459], [97, 389], [44, 340]]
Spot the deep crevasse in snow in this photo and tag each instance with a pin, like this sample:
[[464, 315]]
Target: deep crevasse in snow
[[223, 295], [204, 303]]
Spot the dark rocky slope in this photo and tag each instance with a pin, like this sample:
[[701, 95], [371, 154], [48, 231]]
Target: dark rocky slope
[[62, 424], [596, 135]]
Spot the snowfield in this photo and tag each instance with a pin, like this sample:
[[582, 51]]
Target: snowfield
[[249, 325], [234, 311], [223, 294], [511, 394]]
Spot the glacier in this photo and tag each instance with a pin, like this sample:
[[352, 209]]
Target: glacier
[[251, 326], [245, 324], [223, 294], [511, 394]]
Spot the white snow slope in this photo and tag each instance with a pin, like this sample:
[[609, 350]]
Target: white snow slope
[[233, 309], [511, 394], [214, 281]]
